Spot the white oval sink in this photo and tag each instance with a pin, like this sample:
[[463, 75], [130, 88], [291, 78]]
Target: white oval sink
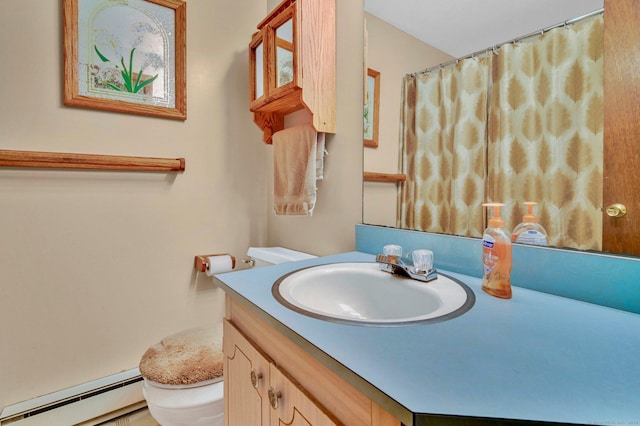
[[362, 294]]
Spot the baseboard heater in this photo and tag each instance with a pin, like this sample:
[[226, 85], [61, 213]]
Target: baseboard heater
[[90, 403]]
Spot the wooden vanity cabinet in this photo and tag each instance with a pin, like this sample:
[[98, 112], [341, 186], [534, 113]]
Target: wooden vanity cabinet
[[261, 394], [245, 386], [292, 65], [259, 358]]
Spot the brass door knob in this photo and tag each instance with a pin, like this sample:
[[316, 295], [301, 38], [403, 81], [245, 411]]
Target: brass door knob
[[255, 378], [616, 210], [274, 397]]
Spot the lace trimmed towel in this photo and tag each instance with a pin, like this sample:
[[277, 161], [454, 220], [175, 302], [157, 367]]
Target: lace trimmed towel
[[298, 154]]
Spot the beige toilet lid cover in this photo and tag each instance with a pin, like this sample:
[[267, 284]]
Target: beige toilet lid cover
[[189, 357]]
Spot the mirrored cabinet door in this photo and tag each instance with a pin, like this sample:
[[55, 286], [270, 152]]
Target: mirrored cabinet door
[[284, 62], [284, 53], [274, 59], [257, 60]]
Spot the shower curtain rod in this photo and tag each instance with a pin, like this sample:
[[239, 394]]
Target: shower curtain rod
[[515, 40]]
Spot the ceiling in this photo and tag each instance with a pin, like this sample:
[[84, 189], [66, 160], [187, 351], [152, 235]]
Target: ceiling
[[462, 27]]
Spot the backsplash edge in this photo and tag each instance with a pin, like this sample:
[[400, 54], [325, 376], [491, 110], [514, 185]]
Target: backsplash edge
[[598, 278]]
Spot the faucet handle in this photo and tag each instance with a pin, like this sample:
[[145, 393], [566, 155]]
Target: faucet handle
[[392, 250], [422, 260], [390, 256]]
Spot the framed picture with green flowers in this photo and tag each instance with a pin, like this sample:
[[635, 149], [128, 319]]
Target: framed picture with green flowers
[[126, 56]]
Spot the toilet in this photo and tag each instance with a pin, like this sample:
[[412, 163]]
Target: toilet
[[183, 373]]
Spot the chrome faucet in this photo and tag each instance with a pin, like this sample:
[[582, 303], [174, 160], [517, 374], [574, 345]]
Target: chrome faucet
[[405, 267]]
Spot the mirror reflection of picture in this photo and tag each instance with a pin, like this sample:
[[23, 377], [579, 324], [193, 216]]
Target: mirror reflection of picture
[[371, 106]]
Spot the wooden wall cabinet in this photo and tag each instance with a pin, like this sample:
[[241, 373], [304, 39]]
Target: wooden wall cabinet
[[310, 393], [292, 65]]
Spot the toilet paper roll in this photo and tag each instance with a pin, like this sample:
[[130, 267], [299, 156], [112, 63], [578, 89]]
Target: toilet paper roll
[[219, 264]]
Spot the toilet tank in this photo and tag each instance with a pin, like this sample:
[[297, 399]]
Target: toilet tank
[[263, 256]]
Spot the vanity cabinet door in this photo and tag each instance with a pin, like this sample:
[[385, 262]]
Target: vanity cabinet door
[[290, 405], [257, 393], [246, 376]]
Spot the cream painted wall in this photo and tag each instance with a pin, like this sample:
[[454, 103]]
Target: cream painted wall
[[394, 53], [331, 229], [96, 266]]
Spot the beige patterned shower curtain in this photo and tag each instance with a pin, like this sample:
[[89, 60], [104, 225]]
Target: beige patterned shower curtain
[[524, 124], [443, 132], [546, 132]]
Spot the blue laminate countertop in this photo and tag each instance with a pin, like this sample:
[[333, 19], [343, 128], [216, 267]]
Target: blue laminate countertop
[[534, 357]]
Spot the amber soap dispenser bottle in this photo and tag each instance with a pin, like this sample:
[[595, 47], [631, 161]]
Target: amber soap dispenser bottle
[[496, 256]]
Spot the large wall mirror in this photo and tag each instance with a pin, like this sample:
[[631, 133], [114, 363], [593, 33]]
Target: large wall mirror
[[408, 36]]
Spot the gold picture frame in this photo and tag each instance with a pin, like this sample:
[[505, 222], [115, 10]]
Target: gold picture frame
[[371, 108], [126, 56]]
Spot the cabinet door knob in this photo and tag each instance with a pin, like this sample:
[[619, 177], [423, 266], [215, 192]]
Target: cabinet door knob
[[255, 378], [616, 210], [273, 398]]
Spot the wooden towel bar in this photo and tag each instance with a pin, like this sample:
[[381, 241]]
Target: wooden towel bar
[[59, 160]]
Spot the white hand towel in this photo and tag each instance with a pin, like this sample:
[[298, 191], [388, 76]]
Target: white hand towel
[[320, 152], [294, 162]]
